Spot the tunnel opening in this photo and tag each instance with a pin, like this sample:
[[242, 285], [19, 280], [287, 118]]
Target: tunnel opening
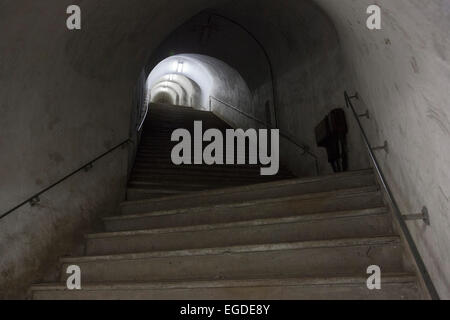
[[193, 80], [280, 88], [163, 98]]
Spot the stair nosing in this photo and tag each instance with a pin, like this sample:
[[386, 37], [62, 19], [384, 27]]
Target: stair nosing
[[240, 249], [348, 280], [331, 215], [158, 184], [341, 193], [260, 186], [155, 190]]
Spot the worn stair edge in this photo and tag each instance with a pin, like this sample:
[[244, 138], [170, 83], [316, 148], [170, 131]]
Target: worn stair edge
[[162, 183], [205, 178], [399, 278], [157, 171], [344, 193], [247, 223], [164, 191], [255, 187], [339, 243]]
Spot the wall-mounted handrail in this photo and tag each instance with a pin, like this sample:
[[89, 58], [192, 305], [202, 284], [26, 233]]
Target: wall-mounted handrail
[[397, 212], [33, 200], [143, 118], [245, 114], [284, 135]]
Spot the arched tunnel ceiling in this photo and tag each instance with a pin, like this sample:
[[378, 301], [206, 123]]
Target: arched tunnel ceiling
[[212, 76], [164, 98], [58, 85], [191, 90], [211, 35], [170, 85], [185, 93]]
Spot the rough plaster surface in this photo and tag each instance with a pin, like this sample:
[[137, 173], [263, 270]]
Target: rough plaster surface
[[65, 95], [403, 76], [32, 239]]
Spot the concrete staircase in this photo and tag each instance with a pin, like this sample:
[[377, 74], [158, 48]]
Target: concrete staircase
[[154, 174], [228, 233]]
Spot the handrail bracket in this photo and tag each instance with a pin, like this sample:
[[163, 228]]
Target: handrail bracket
[[424, 216], [35, 201], [384, 147], [89, 167]]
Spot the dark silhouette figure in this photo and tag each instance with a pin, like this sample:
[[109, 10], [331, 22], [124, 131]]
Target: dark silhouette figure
[[331, 133]]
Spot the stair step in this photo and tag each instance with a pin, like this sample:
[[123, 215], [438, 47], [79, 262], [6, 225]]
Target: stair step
[[167, 169], [164, 165], [186, 185], [142, 194], [393, 287], [209, 174], [297, 259], [266, 190], [164, 151], [168, 184], [204, 178], [354, 199], [144, 167], [320, 226]]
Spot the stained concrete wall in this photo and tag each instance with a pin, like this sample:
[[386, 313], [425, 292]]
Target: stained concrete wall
[[33, 238], [77, 86], [402, 73], [309, 76]]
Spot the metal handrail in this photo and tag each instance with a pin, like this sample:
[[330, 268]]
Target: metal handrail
[[286, 136], [35, 198], [397, 212], [143, 118]]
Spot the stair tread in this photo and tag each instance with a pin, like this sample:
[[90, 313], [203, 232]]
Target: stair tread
[[354, 242], [288, 281], [169, 183], [246, 223], [307, 196], [254, 187], [174, 190]]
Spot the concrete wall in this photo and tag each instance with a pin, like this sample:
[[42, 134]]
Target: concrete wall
[[309, 76], [402, 73], [65, 95], [33, 238]]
